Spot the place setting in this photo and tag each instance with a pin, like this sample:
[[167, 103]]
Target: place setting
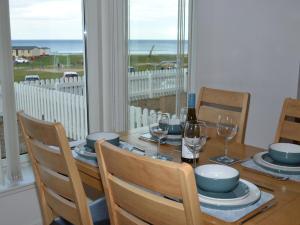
[[172, 131], [221, 191], [85, 150], [281, 161], [224, 195]]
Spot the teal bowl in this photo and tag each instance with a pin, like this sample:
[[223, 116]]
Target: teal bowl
[[216, 178], [175, 127], [112, 138], [285, 153]]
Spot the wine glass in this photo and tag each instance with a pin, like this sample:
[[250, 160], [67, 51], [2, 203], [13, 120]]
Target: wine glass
[[226, 128], [158, 128], [182, 116], [195, 135]]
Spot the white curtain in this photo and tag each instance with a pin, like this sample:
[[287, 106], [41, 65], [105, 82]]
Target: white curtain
[[181, 38], [11, 137], [106, 38]]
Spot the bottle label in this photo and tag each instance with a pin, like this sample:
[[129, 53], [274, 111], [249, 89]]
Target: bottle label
[[191, 100], [186, 153]]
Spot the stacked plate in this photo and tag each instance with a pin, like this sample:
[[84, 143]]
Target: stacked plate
[[281, 158], [220, 187], [87, 149]]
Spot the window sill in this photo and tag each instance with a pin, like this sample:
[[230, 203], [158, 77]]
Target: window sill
[[27, 183]]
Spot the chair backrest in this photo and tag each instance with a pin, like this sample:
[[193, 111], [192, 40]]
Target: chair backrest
[[289, 121], [141, 190], [214, 102], [60, 190]]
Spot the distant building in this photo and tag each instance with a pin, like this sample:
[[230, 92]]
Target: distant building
[[44, 51], [25, 51]]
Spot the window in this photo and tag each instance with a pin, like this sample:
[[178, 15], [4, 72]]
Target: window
[[158, 58], [47, 46]]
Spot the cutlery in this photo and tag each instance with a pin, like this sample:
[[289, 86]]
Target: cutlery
[[262, 210], [263, 187]]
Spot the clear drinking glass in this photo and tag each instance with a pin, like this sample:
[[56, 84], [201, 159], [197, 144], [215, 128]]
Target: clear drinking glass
[[227, 128], [159, 129], [195, 135], [182, 116]]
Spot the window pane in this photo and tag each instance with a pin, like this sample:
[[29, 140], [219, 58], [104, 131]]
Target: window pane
[[154, 72], [47, 49]]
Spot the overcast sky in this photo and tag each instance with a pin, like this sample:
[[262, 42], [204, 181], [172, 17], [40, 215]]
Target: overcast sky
[[62, 19]]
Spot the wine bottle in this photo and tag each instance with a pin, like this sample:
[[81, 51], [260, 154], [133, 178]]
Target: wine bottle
[[186, 154]]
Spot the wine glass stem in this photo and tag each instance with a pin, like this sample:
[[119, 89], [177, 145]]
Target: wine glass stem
[[158, 148], [226, 147], [194, 157]]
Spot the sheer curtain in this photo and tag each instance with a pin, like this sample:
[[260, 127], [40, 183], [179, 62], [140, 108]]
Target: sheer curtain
[[8, 97], [181, 38], [106, 37]]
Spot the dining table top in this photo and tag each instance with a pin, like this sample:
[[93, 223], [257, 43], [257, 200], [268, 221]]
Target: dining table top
[[284, 209]]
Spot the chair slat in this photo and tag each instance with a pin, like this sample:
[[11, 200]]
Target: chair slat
[[62, 207], [223, 97], [48, 157], [288, 125], [36, 131], [293, 109], [143, 174], [290, 130], [60, 184], [134, 200], [211, 114], [125, 218]]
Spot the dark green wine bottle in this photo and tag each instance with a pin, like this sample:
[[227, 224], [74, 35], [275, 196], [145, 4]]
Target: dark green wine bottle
[[186, 154]]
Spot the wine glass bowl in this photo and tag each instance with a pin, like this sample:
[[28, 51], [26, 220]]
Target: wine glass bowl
[[226, 128], [195, 136], [158, 128]]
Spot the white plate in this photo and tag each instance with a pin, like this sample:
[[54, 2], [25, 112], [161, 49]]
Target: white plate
[[260, 161], [252, 197]]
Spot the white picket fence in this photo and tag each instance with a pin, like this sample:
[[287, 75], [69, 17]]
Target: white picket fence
[[53, 105], [72, 85], [156, 83], [64, 100], [142, 85]]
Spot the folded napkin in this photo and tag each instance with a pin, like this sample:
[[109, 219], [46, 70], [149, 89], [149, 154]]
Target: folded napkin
[[252, 165], [233, 215]]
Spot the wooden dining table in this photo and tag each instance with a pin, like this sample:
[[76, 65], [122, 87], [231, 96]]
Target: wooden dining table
[[284, 209]]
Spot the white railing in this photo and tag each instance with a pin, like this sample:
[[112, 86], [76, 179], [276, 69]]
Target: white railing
[[72, 85], [155, 83], [52, 105], [142, 85], [64, 100]]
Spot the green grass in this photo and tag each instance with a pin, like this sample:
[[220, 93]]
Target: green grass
[[47, 66]]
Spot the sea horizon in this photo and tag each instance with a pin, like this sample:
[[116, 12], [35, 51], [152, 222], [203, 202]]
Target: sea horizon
[[75, 46]]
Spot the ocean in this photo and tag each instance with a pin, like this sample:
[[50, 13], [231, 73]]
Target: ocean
[[141, 47]]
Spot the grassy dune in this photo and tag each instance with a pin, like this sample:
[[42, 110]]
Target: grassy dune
[[50, 67]]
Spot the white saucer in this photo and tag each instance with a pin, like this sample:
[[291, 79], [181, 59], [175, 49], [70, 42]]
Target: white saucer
[[252, 197]]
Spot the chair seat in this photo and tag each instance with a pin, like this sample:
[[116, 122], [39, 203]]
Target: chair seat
[[99, 214]]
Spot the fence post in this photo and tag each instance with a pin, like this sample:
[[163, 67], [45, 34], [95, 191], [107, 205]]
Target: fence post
[[150, 78]]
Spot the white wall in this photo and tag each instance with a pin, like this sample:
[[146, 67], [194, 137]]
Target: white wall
[[253, 46], [20, 207]]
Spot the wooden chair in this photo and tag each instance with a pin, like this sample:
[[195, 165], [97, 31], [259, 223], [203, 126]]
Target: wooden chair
[[288, 129], [214, 102], [141, 190], [61, 194]]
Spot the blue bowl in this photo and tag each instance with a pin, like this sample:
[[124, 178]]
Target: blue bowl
[[285, 153], [175, 127], [112, 138], [216, 178]]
